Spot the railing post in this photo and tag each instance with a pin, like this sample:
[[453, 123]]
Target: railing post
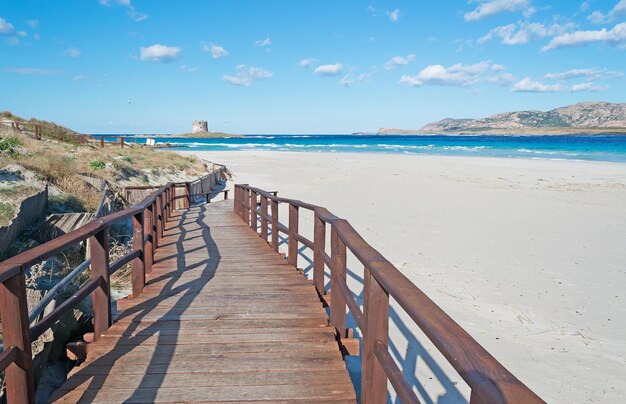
[[148, 250], [138, 275], [166, 195], [337, 274], [292, 253], [101, 297], [246, 206], [376, 328], [159, 217], [275, 232], [20, 383], [264, 218], [153, 228], [236, 201], [253, 211], [102, 141], [319, 244], [122, 142], [188, 193]]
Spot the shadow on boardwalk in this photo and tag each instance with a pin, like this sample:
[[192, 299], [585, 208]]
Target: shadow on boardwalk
[[150, 382], [407, 361]]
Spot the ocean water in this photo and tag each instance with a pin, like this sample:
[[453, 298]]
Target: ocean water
[[571, 147]]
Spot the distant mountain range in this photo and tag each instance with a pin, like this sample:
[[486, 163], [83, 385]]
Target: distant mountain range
[[583, 118]]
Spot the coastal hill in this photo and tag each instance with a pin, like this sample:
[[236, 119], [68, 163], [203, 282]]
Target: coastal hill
[[581, 118]]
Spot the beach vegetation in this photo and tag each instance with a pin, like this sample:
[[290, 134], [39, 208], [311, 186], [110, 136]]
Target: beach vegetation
[[97, 165], [7, 213]]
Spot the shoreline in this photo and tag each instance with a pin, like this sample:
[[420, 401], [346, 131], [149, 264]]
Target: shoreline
[[525, 254], [191, 151]]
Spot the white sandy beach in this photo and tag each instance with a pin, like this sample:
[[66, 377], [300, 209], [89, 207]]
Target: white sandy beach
[[528, 256]]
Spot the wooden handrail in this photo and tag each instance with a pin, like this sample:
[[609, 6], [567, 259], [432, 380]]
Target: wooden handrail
[[489, 380], [16, 359], [148, 218]]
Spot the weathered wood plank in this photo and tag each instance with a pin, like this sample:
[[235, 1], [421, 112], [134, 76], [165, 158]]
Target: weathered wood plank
[[222, 317], [212, 394], [167, 380]]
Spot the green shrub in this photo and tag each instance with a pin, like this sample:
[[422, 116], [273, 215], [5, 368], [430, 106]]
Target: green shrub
[[128, 159], [97, 165], [8, 144], [7, 213]]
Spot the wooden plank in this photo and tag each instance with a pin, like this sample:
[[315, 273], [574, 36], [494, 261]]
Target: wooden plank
[[251, 362], [278, 378], [222, 317], [238, 334], [172, 352], [211, 394], [176, 338], [232, 322]]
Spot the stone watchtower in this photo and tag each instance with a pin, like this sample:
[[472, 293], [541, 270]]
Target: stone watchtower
[[199, 126]]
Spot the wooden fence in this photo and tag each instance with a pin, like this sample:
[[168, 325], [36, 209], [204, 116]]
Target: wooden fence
[[148, 217], [489, 381]]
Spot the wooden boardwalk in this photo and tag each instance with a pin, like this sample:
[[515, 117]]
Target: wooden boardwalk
[[222, 318]]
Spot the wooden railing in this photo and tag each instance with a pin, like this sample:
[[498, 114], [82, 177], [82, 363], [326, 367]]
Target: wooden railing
[[489, 381], [40, 131], [148, 219], [19, 125], [220, 174]]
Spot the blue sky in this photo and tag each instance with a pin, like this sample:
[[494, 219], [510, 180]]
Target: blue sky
[[140, 66]]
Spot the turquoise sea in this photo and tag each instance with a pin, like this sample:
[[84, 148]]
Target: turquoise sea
[[571, 147]]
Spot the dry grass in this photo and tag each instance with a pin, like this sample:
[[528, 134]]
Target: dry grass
[[7, 213], [60, 163], [87, 194], [17, 192], [121, 278]]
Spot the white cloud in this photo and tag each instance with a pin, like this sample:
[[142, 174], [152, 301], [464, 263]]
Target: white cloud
[[79, 77], [306, 62], [584, 6], [455, 75], [524, 32], [614, 36], [6, 28], [136, 15], [188, 69], [329, 70], [130, 9], [372, 10], [72, 52], [34, 71], [216, 51], [527, 85], [263, 42], [587, 74], [616, 12], [32, 23], [115, 2], [460, 75], [399, 61], [588, 86], [504, 79], [246, 75], [352, 79], [159, 53], [394, 15], [490, 7]]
